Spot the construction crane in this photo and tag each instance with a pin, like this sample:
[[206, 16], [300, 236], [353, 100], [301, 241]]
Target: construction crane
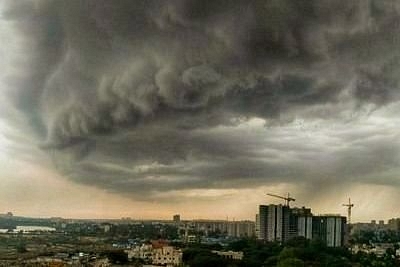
[[349, 207], [287, 198]]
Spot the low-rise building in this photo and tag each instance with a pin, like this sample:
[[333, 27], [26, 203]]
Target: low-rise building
[[157, 253], [233, 255], [145, 252], [167, 256]]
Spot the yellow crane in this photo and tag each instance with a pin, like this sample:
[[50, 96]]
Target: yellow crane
[[349, 207], [287, 198]]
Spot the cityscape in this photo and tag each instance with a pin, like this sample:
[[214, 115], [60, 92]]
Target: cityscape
[[195, 133], [178, 242]]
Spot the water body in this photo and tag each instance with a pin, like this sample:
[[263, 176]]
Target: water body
[[27, 229]]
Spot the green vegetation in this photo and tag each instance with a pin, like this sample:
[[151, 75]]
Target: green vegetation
[[200, 257], [92, 237], [375, 236], [116, 256], [21, 247], [298, 252]]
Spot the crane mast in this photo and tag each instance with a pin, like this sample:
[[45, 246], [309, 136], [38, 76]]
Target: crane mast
[[349, 207]]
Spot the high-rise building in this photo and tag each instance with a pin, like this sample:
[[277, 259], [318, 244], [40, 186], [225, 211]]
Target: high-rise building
[[262, 222], [304, 226], [300, 223], [331, 229], [177, 219], [394, 224], [281, 223], [274, 223], [257, 230], [240, 229], [211, 226]]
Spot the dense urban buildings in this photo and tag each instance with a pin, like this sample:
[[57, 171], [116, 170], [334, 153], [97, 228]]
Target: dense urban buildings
[[282, 223], [241, 229], [234, 255], [234, 229], [165, 243], [156, 253]]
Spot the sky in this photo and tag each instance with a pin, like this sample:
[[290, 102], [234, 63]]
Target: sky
[[146, 109]]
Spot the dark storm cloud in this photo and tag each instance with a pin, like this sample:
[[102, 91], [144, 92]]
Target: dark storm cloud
[[112, 87]]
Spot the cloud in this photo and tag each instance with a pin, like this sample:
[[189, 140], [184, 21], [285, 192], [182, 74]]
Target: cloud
[[145, 97]]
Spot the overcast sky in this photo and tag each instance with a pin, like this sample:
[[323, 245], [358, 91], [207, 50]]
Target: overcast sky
[[150, 108]]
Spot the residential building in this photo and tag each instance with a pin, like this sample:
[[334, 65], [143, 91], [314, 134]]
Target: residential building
[[167, 256], [394, 224], [274, 223], [301, 222], [233, 255], [281, 223], [157, 253], [330, 228], [224, 227], [257, 226], [240, 229], [304, 226], [176, 219]]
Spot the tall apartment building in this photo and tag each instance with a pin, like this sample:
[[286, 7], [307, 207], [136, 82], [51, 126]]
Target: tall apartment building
[[228, 228], [302, 222], [210, 226], [257, 230], [240, 229], [281, 223], [262, 222], [330, 228], [304, 226], [274, 223], [394, 224], [176, 219]]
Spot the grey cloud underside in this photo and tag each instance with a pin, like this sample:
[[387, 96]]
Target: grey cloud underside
[[112, 87]]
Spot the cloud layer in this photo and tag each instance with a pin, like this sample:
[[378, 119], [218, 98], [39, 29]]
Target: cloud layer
[[144, 97]]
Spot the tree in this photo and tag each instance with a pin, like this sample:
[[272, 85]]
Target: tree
[[21, 247], [271, 261], [289, 258], [208, 260], [291, 262], [288, 252], [117, 256]]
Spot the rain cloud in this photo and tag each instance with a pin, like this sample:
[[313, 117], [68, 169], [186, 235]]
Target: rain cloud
[[142, 97]]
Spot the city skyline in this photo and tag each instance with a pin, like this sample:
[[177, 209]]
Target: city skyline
[[182, 217], [147, 109]]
